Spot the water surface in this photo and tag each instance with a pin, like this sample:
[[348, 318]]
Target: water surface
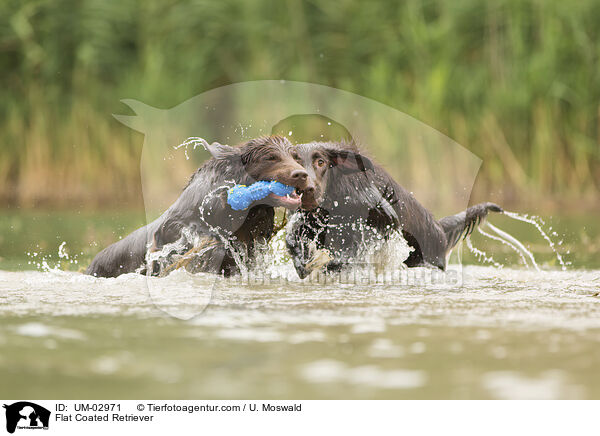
[[504, 333]]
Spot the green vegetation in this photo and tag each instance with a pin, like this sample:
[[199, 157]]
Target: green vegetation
[[516, 82]]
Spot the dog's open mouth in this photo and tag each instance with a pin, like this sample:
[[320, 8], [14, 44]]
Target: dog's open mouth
[[290, 201]]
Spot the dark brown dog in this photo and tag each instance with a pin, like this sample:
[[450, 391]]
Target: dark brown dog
[[356, 203], [201, 215]]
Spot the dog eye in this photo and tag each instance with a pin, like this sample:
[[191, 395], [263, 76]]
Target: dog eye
[[270, 157], [320, 162]]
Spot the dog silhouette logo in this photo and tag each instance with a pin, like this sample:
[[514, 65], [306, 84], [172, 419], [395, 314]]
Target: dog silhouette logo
[[26, 415]]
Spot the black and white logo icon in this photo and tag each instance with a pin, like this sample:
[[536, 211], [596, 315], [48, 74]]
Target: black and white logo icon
[[26, 415]]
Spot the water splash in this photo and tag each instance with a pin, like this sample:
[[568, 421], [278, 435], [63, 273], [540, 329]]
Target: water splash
[[505, 242], [226, 237], [513, 242], [192, 245], [194, 142], [47, 262], [62, 251], [480, 254], [505, 238], [164, 260], [537, 223], [376, 252]]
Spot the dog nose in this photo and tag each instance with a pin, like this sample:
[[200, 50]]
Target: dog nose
[[299, 175]]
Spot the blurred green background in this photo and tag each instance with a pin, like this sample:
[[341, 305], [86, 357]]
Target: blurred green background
[[516, 82]]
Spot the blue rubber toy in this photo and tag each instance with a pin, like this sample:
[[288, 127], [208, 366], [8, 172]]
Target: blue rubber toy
[[241, 196]]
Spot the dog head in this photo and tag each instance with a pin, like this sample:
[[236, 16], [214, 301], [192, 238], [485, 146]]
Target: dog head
[[270, 158], [324, 163]]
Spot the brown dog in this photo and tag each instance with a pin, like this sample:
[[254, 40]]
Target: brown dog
[[205, 215], [356, 203]]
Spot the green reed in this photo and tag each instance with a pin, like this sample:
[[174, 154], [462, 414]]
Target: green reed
[[516, 82]]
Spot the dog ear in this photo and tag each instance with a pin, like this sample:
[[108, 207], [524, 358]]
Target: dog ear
[[220, 151], [348, 161]]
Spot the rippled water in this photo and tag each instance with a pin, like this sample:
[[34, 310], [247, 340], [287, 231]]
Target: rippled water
[[505, 333], [502, 331]]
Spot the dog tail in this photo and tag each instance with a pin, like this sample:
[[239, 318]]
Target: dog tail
[[462, 224]]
